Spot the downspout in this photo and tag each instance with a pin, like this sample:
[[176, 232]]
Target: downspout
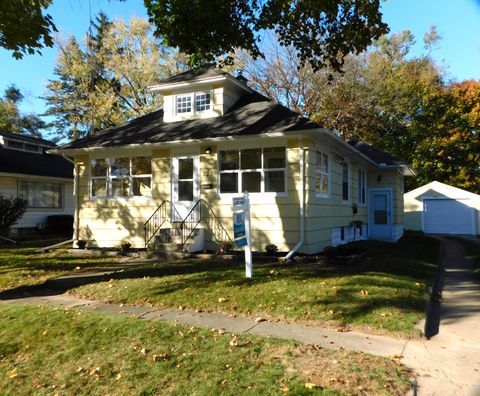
[[302, 205], [75, 192]]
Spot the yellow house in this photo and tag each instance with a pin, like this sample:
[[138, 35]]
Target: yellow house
[[170, 176]]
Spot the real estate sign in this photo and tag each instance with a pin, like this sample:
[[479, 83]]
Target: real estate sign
[[241, 229]]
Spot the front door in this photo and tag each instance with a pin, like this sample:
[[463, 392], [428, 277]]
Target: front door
[[380, 214], [185, 184]]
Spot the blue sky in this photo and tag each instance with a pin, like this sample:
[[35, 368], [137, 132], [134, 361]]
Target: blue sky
[[457, 22]]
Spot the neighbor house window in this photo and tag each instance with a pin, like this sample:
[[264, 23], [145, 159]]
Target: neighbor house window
[[345, 181], [362, 183], [202, 101], [121, 177], [322, 175], [41, 194], [254, 170]]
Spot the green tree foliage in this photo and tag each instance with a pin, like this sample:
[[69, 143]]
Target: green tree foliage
[[321, 32], [11, 120], [11, 209], [105, 81], [25, 28]]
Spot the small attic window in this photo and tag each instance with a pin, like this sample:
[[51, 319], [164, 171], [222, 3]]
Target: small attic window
[[202, 101]]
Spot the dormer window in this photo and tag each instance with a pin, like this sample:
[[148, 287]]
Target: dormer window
[[23, 146], [202, 101]]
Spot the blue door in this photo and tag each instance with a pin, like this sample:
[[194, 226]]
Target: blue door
[[380, 214]]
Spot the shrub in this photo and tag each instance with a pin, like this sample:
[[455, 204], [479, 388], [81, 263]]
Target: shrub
[[271, 249], [330, 251], [11, 209]]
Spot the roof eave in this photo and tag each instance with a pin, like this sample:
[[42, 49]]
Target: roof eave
[[201, 81]]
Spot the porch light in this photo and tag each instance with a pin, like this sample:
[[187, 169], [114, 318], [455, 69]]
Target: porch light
[[208, 150], [379, 178]]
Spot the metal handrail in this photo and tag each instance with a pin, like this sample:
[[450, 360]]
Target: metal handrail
[[166, 211], [202, 211]]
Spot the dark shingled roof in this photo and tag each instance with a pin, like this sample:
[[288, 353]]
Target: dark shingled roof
[[252, 114], [29, 139], [205, 71], [16, 161], [376, 155]]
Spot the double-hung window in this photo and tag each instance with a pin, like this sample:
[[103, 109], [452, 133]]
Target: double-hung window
[[322, 175], [345, 181], [193, 103], [120, 177], [362, 183], [254, 170], [41, 194]]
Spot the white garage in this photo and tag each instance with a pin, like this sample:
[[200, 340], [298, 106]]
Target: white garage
[[442, 209]]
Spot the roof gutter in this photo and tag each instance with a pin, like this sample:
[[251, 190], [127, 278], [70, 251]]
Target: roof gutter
[[302, 206]]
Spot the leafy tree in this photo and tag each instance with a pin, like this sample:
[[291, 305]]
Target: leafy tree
[[321, 32], [450, 126], [105, 81], [375, 99], [11, 209], [11, 120], [25, 28]]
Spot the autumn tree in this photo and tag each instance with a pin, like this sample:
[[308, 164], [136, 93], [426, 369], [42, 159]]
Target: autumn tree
[[11, 118], [104, 82], [374, 99], [450, 128]]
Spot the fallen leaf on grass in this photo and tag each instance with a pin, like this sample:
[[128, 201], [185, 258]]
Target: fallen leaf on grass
[[12, 373], [310, 385], [222, 299], [118, 376], [342, 329], [364, 292], [395, 356], [234, 341]]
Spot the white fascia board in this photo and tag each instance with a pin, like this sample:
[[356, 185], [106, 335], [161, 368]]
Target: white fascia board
[[25, 176], [195, 83], [69, 152]]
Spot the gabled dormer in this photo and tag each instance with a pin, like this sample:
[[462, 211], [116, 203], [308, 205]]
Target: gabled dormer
[[204, 92]]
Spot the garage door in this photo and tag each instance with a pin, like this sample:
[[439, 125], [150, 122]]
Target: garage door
[[447, 216]]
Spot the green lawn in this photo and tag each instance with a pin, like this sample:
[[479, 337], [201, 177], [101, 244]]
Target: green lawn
[[47, 351], [22, 266], [387, 293]]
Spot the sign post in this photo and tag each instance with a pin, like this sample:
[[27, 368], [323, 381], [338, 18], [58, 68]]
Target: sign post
[[242, 229]]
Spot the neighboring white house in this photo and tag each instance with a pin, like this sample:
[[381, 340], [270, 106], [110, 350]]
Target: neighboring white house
[[45, 181], [442, 209]]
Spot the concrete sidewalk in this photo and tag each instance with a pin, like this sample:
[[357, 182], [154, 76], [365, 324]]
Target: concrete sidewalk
[[447, 364]]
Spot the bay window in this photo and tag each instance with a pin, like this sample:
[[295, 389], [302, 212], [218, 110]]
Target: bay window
[[254, 170], [120, 177]]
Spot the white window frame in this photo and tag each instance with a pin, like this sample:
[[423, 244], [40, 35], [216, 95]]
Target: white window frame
[[109, 177], [321, 174], [261, 170], [362, 185], [349, 184], [40, 208], [193, 101]]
